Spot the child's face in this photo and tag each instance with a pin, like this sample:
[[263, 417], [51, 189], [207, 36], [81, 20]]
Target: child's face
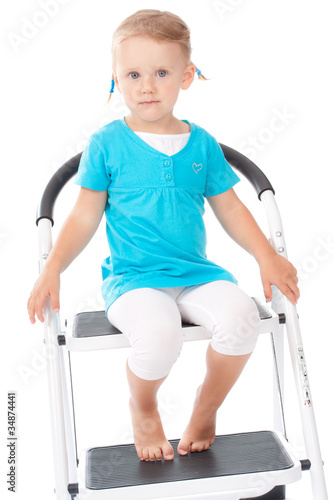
[[150, 74]]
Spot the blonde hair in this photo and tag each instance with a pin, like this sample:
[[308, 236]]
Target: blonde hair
[[160, 25]]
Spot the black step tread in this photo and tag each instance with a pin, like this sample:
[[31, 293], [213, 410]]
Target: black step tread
[[245, 453], [95, 323]]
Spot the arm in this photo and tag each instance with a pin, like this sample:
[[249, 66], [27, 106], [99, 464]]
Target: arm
[[240, 225], [75, 234]]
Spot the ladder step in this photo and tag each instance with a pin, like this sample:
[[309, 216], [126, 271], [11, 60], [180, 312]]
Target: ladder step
[[95, 323], [234, 454], [92, 330]]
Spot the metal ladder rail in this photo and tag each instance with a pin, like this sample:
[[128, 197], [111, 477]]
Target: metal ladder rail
[[282, 305]]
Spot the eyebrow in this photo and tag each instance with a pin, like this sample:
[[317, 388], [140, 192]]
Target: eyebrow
[[136, 69]]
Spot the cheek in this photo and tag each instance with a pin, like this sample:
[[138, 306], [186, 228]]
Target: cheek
[[125, 89], [170, 88], [172, 91]]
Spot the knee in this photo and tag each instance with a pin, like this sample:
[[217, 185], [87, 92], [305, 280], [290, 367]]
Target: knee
[[155, 351], [237, 331]]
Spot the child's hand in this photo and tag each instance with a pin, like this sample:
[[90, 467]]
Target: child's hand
[[278, 271], [47, 285]]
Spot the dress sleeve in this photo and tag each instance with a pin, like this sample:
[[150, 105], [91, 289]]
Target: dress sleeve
[[220, 176], [92, 173]]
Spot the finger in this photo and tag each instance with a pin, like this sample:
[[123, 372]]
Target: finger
[[55, 304], [267, 291], [31, 310], [294, 288], [288, 292], [39, 309], [32, 317]]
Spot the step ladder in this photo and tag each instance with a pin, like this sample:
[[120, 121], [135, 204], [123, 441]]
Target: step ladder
[[238, 466]]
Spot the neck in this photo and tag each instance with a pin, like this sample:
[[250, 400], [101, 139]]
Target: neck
[[171, 125]]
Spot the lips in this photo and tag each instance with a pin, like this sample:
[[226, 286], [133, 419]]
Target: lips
[[147, 103]]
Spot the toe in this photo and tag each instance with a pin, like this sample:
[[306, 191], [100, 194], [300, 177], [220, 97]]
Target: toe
[[198, 447], [152, 452], [184, 446], [168, 452], [157, 454]]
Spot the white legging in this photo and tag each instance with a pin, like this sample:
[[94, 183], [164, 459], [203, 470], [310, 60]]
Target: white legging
[[151, 319]]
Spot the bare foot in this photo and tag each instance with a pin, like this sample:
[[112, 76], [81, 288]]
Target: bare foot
[[199, 435], [149, 438]]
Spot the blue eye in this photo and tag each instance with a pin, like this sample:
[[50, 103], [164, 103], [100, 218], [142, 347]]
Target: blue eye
[[161, 73], [134, 75]]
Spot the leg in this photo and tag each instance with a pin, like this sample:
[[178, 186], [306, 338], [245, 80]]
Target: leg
[[151, 321], [222, 373], [232, 317], [149, 437]]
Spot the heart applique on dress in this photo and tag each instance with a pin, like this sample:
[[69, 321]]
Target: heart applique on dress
[[196, 167]]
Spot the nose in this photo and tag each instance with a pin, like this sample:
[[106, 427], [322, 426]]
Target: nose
[[147, 85]]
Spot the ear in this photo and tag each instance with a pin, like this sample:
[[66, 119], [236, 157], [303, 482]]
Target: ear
[[116, 81], [189, 75]]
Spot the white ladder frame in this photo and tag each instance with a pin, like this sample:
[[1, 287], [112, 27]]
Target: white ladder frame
[[64, 454]]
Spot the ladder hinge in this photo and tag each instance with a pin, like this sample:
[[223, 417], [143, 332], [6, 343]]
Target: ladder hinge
[[282, 318], [61, 340], [73, 489], [306, 464]]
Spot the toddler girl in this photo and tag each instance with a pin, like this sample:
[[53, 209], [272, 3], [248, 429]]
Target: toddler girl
[[150, 172]]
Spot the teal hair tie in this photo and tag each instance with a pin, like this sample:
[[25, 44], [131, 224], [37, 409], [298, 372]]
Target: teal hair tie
[[198, 72], [112, 86]]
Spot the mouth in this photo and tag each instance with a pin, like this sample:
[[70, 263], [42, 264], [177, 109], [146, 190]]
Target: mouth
[[149, 103]]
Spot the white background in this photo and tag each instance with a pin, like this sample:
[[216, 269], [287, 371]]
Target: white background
[[264, 59]]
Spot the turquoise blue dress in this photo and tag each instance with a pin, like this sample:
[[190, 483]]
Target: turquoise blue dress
[[155, 207]]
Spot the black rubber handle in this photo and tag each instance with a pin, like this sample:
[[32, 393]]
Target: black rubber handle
[[249, 169], [237, 160], [54, 186]]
